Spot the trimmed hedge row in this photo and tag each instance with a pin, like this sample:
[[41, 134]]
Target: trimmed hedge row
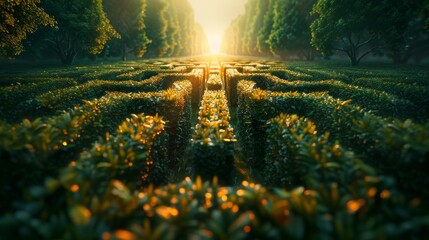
[[417, 94], [73, 207], [15, 100], [63, 99], [69, 97], [136, 155], [37, 149], [384, 104], [212, 149], [387, 145], [233, 76], [173, 104], [297, 155], [214, 82]]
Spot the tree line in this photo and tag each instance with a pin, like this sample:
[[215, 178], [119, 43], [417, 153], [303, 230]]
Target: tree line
[[125, 28], [301, 29]]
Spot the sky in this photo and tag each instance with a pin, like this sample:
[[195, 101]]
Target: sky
[[215, 16]]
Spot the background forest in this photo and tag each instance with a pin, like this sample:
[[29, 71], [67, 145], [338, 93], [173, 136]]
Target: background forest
[[66, 29], [301, 29]]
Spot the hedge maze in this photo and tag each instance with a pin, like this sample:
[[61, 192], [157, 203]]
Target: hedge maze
[[213, 148]]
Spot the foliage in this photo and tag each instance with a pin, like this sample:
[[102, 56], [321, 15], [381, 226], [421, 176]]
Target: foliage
[[156, 20], [214, 82], [128, 19], [18, 98], [212, 146], [17, 19], [353, 127], [75, 34], [367, 26], [264, 32], [290, 34]]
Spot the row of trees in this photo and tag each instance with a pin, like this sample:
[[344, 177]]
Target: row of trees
[[152, 28], [296, 28]]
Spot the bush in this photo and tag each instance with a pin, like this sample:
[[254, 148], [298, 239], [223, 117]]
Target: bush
[[212, 149], [207, 211], [298, 156], [383, 143], [384, 104], [16, 100], [214, 83], [34, 150]]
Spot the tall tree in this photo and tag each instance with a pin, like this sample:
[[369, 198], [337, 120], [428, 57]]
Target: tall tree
[[173, 39], [186, 28], [406, 36], [157, 25], [351, 26], [17, 19], [232, 38], [128, 18], [82, 27], [201, 45], [251, 17], [290, 33], [265, 30]]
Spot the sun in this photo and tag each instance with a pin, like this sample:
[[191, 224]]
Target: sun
[[215, 42], [215, 17]]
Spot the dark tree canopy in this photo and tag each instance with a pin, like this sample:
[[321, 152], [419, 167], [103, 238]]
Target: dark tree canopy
[[82, 27], [358, 28], [156, 19], [271, 27], [290, 34], [264, 32], [150, 28], [296, 28], [128, 19], [17, 19]]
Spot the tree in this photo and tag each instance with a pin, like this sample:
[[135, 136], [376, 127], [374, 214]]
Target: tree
[[406, 37], [185, 15], [251, 18], [173, 39], [262, 45], [349, 26], [232, 38], [157, 25], [201, 42], [290, 33], [128, 18], [17, 19], [82, 27]]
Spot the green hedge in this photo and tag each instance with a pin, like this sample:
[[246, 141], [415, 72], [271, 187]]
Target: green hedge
[[297, 155], [63, 99], [212, 149], [173, 104], [37, 149], [16, 100], [384, 104], [416, 94], [214, 82], [388, 145], [61, 209]]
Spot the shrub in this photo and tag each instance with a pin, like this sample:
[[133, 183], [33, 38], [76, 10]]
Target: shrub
[[212, 149], [16, 100], [214, 83], [384, 104], [381, 142]]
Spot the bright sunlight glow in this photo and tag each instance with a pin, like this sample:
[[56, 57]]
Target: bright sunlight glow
[[215, 16]]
